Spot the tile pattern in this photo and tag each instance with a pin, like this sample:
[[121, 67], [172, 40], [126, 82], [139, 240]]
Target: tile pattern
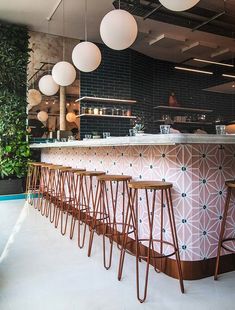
[[198, 173]]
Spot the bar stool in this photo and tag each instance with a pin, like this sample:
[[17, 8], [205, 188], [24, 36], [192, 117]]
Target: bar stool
[[106, 215], [222, 241], [85, 203], [50, 194], [43, 190], [67, 197], [32, 180], [165, 191]]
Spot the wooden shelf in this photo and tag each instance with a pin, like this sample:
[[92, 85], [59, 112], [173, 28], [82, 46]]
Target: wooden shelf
[[105, 100], [113, 116], [183, 109]]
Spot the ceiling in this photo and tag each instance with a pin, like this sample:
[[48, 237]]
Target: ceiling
[[225, 88], [164, 35]]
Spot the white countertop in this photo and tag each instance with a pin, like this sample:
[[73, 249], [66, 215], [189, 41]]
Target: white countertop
[[148, 139]]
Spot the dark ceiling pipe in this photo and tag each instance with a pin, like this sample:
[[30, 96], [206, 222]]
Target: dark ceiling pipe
[[208, 21]]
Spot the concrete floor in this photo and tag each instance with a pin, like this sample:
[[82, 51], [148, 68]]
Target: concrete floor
[[41, 270]]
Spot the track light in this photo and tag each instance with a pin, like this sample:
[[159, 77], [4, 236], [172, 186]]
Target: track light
[[213, 62], [194, 70], [229, 76]]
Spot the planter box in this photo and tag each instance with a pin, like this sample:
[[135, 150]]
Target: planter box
[[12, 186]]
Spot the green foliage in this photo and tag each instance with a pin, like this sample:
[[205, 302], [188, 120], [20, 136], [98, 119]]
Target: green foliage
[[14, 150]]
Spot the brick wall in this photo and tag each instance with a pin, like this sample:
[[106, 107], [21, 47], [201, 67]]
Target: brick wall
[[131, 75]]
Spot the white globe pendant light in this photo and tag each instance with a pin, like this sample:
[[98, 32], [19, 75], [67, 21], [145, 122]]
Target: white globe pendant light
[[48, 86], [34, 97], [86, 56], [63, 73], [71, 117], [118, 29], [179, 5], [42, 116]]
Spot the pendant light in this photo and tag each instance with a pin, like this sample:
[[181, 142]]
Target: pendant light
[[63, 73], [42, 116], [118, 29], [86, 55], [178, 5], [46, 84], [71, 117], [34, 97]]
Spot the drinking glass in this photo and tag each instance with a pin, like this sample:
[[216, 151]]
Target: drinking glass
[[106, 135], [220, 129], [165, 129], [88, 136], [132, 132]]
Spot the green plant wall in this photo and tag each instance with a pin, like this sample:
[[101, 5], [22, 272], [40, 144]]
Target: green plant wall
[[14, 54]]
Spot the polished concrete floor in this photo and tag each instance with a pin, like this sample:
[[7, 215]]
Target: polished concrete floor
[[41, 270]]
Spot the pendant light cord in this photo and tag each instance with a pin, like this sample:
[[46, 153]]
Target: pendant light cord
[[48, 32], [119, 4], [85, 17], [63, 30]]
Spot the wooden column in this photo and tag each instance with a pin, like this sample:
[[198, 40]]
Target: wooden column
[[62, 108]]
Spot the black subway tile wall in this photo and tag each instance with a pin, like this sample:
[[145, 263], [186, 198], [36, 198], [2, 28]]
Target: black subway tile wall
[[132, 75]]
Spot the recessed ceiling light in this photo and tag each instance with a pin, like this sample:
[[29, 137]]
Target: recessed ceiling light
[[194, 70], [213, 62]]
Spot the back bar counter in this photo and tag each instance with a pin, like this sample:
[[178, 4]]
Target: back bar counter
[[197, 165]]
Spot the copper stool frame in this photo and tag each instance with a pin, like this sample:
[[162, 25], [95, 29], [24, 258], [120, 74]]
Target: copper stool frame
[[51, 195], [43, 186], [33, 181], [67, 200], [86, 202], [151, 240], [222, 241], [109, 227]]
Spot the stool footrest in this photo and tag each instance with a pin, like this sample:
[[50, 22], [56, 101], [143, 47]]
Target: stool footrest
[[225, 247], [152, 257]]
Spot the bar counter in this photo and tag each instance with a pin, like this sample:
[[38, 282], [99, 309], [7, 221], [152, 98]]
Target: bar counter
[[197, 165]]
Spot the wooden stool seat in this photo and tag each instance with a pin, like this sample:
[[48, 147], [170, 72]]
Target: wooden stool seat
[[77, 170], [93, 173], [53, 167], [36, 163], [157, 185], [114, 177], [230, 183]]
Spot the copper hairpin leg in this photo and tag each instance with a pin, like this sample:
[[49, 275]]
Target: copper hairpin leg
[[150, 248], [222, 230]]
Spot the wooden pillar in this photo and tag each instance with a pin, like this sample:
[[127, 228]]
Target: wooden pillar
[[62, 108]]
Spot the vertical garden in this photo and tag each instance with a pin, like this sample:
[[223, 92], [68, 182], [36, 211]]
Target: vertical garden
[[14, 150]]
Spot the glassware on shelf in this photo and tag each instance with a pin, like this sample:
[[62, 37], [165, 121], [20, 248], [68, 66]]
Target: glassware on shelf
[[90, 111], [118, 112], [128, 112], [124, 112], [96, 111], [104, 111], [83, 110]]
